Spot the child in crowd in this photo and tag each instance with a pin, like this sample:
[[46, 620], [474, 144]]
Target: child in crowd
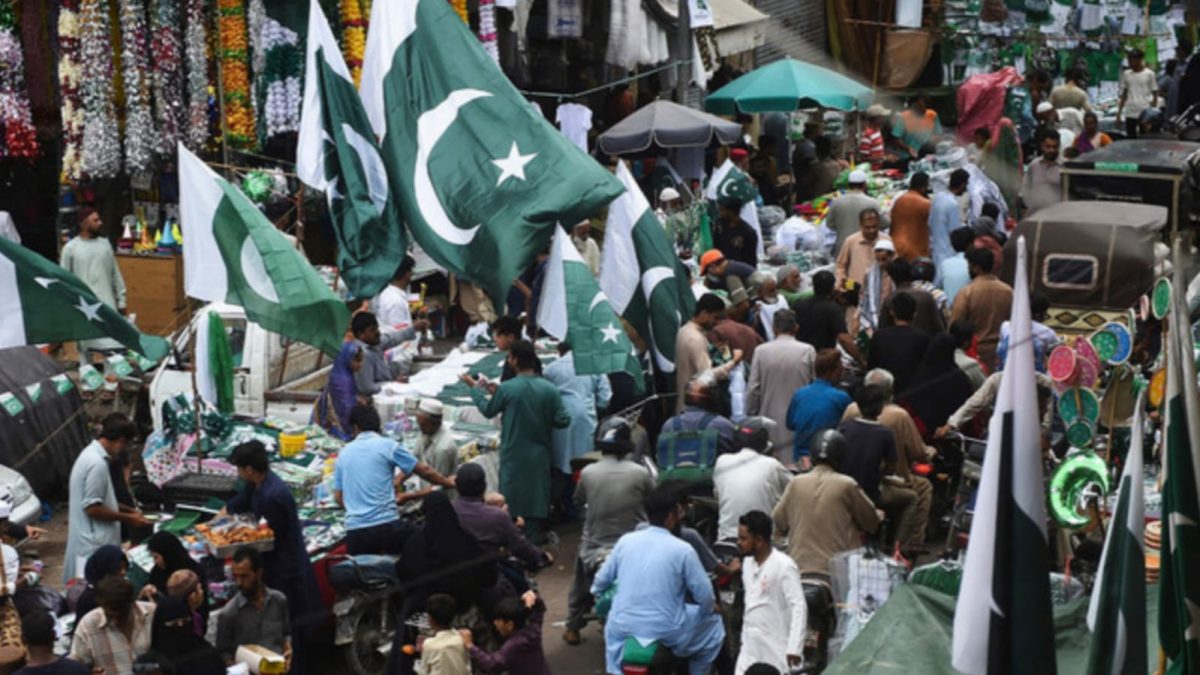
[[519, 624], [444, 653]]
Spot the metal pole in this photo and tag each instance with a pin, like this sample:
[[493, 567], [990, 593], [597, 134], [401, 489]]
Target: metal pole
[[683, 38]]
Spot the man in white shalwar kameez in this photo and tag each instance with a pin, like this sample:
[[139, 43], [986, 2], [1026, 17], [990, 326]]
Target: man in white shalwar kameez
[[776, 615]]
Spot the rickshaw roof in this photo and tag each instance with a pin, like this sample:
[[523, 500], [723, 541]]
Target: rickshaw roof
[[1150, 156], [1112, 214]]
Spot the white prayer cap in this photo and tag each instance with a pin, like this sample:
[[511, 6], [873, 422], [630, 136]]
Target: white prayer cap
[[430, 406], [858, 177], [668, 194], [1044, 106], [885, 245]]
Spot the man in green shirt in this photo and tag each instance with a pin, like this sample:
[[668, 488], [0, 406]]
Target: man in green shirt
[[532, 409]]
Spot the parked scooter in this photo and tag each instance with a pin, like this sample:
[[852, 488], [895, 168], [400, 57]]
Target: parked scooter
[[363, 617]]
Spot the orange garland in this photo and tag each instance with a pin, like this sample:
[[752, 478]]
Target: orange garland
[[354, 37], [240, 125]]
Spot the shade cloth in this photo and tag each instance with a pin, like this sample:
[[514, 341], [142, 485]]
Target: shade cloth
[[667, 125]]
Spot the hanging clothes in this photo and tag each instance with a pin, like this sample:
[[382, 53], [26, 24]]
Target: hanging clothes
[[564, 19], [574, 120]]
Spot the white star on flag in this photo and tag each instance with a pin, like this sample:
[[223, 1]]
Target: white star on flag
[[513, 165], [611, 333], [92, 312], [45, 282]]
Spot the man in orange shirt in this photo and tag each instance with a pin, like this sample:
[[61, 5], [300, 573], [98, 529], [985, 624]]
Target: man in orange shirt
[[910, 219]]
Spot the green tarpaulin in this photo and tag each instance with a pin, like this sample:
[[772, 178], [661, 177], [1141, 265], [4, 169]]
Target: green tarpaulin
[[911, 633]]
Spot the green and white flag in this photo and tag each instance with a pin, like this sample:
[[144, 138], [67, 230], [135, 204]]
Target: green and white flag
[[573, 308], [1117, 613], [1179, 580], [41, 302], [639, 272], [1003, 621], [235, 255], [480, 178], [336, 153], [732, 186]]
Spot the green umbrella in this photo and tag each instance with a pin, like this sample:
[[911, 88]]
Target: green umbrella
[[789, 85]]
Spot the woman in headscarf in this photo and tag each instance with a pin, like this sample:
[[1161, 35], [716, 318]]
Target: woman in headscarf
[[105, 562], [174, 643], [939, 386], [169, 557], [332, 410], [442, 558]]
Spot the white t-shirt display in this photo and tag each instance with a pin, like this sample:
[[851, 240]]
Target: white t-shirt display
[[575, 120]]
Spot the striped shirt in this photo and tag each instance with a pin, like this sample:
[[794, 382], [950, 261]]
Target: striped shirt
[[870, 147]]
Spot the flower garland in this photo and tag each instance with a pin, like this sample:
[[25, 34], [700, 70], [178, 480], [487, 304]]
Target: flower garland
[[460, 8], [354, 36], [19, 139], [101, 155], [68, 86], [280, 81], [135, 63], [487, 28], [167, 49], [240, 126], [196, 53]]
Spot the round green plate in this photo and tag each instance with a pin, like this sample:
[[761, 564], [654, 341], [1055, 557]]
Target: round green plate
[[1105, 344], [1079, 434], [1076, 400], [1160, 301]]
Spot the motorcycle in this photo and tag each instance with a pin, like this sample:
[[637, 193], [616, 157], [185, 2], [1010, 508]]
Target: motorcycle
[[363, 618], [822, 620]]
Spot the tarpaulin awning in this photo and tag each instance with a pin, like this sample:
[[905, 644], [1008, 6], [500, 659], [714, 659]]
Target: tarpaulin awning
[[666, 124], [788, 85], [913, 630], [739, 26]]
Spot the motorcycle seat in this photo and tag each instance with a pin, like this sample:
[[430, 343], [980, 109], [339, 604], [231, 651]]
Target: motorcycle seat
[[363, 571], [636, 652]]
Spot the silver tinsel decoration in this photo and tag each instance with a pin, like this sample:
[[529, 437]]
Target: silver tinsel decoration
[[101, 143], [166, 49], [197, 76], [139, 117]]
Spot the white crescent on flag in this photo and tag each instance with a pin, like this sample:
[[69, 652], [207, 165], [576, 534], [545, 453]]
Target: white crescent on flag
[[431, 126]]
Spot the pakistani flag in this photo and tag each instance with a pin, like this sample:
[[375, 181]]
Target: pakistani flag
[[1117, 614], [731, 184], [41, 302], [1179, 590], [573, 308], [336, 152], [481, 179], [235, 255], [641, 275], [1003, 621]]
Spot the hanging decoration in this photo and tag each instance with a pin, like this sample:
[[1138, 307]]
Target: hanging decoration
[[234, 53], [135, 65], [101, 148], [354, 36], [460, 8], [256, 16], [166, 47], [487, 28], [71, 108], [280, 83], [19, 138], [196, 53], [257, 185]]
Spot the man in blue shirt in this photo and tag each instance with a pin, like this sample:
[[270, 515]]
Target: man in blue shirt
[[364, 483], [654, 572], [817, 406], [944, 216], [954, 271]]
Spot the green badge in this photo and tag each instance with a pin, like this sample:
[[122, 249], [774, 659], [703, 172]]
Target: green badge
[[62, 383], [119, 365], [11, 405], [34, 391], [1160, 299]]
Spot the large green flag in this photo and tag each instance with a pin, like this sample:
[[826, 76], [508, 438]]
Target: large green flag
[[480, 177], [573, 308], [1117, 614], [40, 302], [234, 254], [641, 275], [336, 152], [732, 187], [1179, 595]]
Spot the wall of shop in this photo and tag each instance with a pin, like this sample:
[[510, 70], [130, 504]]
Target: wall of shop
[[797, 29]]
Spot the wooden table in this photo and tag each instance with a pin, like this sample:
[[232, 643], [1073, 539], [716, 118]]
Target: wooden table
[[154, 290]]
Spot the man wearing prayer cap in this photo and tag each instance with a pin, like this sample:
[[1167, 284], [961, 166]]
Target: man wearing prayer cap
[[435, 446], [844, 210]]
